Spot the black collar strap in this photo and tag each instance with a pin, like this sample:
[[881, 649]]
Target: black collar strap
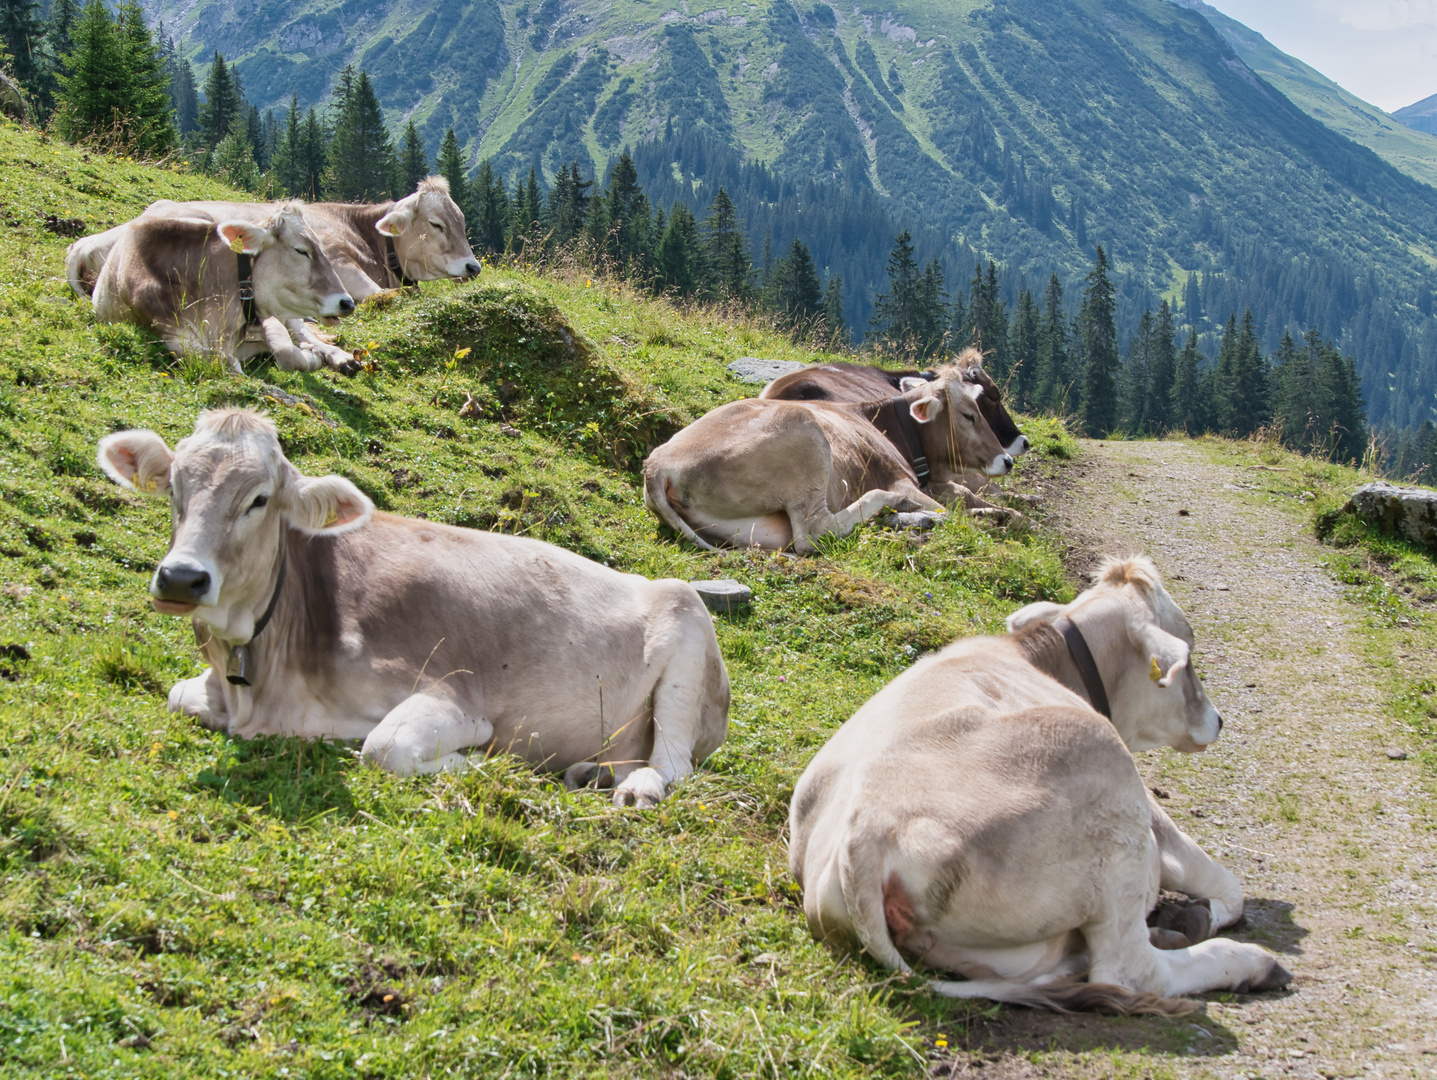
[[238, 670], [391, 260], [246, 288], [1087, 667], [909, 427]]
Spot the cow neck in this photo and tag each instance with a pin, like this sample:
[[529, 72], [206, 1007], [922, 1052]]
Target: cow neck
[[240, 665], [1087, 666], [391, 262], [892, 418], [364, 219], [246, 288]]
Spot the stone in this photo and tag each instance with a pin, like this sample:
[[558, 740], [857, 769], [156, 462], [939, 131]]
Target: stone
[[753, 369], [1409, 512], [724, 596], [1395, 754]]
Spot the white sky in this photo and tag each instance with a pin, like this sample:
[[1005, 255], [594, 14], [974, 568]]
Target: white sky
[[1384, 51]]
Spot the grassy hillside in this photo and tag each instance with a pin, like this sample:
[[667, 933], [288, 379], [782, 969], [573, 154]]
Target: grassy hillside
[[176, 903]]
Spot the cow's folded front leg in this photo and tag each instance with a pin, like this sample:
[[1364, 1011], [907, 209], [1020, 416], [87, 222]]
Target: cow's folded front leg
[[425, 734], [1186, 868], [203, 698], [288, 355], [819, 520], [323, 349]]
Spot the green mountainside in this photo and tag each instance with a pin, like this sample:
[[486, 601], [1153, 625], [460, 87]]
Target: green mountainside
[[1026, 131], [1412, 151]]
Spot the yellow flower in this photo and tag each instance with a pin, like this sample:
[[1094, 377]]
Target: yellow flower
[[460, 354], [174, 815]]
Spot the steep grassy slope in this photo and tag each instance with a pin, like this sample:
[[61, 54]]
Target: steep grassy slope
[[176, 903]]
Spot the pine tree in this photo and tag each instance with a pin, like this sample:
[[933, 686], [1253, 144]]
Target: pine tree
[[150, 115], [1225, 391], [989, 316], [491, 205], [223, 102], [1342, 410], [314, 156], [910, 315], [1023, 352], [63, 15], [1295, 393], [568, 205], [361, 157], [680, 253], [1051, 381], [629, 222], [254, 133], [835, 328], [22, 36], [726, 250], [288, 161], [1136, 389], [450, 165], [794, 292], [115, 88], [1163, 355], [1187, 412], [183, 97], [1250, 403], [233, 159], [414, 164], [1100, 350]]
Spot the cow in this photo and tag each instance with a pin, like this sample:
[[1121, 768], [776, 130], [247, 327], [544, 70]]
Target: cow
[[222, 288], [776, 474], [981, 815], [841, 381], [319, 616], [374, 247]]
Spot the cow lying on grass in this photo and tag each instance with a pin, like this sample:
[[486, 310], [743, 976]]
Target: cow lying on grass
[[777, 474], [321, 617], [374, 247], [981, 816], [839, 381], [185, 279]]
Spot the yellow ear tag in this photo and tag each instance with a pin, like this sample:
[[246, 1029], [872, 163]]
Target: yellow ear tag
[[1154, 672], [149, 484], [331, 519], [237, 245]]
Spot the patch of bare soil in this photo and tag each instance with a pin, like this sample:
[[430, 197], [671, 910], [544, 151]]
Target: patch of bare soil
[[1334, 842]]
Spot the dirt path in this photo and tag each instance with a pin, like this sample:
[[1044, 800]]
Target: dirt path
[[1334, 842]]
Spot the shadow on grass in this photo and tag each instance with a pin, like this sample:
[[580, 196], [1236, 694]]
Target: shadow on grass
[[1269, 923], [1022, 1031], [293, 779]]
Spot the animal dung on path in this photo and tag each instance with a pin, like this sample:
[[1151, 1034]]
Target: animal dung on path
[[725, 596]]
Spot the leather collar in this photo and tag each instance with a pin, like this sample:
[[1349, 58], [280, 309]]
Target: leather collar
[[1087, 667], [893, 419], [237, 672], [246, 288], [391, 260]]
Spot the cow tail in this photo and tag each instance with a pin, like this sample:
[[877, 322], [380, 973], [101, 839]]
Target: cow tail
[[76, 264], [657, 500], [860, 876]]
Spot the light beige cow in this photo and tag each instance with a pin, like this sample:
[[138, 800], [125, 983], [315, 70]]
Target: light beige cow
[[777, 474], [180, 278], [980, 817], [320, 617], [425, 233]]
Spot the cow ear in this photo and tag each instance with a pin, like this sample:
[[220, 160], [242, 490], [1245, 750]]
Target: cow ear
[[1167, 654], [138, 460], [244, 237], [1041, 612], [911, 382], [925, 409], [326, 504], [396, 221]]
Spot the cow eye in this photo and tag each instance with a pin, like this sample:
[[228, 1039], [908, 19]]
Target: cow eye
[[437, 225], [302, 252], [260, 501]]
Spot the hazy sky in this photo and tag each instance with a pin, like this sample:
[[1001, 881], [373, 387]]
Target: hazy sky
[[1384, 51]]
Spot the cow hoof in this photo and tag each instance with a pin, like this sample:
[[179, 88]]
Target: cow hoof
[[1276, 978], [634, 798], [1167, 940], [917, 519], [642, 787]]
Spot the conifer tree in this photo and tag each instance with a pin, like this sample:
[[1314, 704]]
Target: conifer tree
[[254, 133], [450, 165], [1136, 388], [1250, 404], [910, 316], [1099, 337], [150, 115], [1225, 392], [1295, 393], [224, 101], [22, 36], [63, 15], [726, 251], [115, 86], [1051, 381], [1342, 410], [568, 205], [794, 292], [680, 253], [233, 159], [835, 328], [414, 165], [1023, 352], [626, 210], [1187, 410], [361, 157], [491, 209], [1163, 358], [314, 156], [989, 316], [183, 97], [288, 161]]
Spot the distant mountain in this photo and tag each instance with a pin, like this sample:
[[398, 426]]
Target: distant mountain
[[1420, 116], [1026, 131]]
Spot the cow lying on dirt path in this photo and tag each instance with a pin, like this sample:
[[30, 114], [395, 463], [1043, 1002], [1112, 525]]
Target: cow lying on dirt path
[[204, 286], [776, 474], [840, 381], [374, 247], [321, 617], [981, 816]]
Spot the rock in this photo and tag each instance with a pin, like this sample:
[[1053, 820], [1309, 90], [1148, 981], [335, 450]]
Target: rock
[[756, 370], [724, 596], [1409, 512], [12, 100], [1395, 754]]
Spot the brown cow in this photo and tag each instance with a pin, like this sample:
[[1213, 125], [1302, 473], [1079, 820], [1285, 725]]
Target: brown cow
[[775, 474]]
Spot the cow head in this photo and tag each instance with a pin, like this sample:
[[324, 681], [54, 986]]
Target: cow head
[[293, 278], [970, 361], [1142, 644], [233, 496], [955, 435], [429, 234]]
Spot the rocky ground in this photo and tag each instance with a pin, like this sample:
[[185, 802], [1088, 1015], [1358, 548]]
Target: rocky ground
[[1333, 839]]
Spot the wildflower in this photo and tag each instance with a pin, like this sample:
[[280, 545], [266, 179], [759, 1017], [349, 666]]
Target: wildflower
[[941, 1042], [174, 815], [460, 354], [783, 678]]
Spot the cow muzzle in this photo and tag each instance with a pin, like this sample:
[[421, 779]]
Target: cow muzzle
[[464, 269], [1018, 447], [336, 305], [180, 587], [1001, 465]]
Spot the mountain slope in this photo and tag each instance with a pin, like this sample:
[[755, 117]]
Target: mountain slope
[[1023, 130], [1405, 145], [1420, 115]]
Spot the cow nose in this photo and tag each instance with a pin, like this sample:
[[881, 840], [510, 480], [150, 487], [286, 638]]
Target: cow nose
[[1023, 444], [346, 305], [1219, 721], [1007, 463], [471, 269], [183, 583]]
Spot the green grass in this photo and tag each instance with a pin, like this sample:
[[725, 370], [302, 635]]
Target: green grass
[[178, 903]]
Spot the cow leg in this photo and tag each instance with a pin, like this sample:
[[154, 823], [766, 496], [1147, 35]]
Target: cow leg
[[1186, 868], [356, 282], [951, 494], [203, 698], [331, 354], [288, 355], [819, 520], [425, 734]]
